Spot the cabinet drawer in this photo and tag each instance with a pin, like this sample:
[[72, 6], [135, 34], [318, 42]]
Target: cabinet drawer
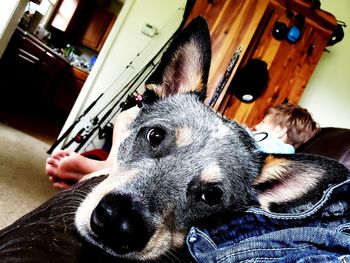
[[50, 59], [32, 48], [27, 57]]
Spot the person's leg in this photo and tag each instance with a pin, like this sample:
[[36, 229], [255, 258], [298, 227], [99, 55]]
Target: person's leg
[[65, 167]]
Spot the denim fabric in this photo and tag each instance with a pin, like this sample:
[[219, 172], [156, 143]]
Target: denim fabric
[[320, 234]]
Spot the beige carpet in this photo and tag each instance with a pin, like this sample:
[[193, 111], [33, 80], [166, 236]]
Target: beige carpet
[[23, 183]]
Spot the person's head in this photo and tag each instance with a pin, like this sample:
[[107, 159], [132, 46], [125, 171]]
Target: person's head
[[290, 123]]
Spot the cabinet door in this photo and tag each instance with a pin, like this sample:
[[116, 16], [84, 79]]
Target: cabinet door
[[19, 66], [97, 28], [64, 14], [73, 81]]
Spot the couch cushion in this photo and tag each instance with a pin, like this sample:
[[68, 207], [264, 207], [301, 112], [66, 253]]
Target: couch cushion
[[330, 142]]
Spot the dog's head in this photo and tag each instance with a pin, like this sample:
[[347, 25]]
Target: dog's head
[[177, 163]]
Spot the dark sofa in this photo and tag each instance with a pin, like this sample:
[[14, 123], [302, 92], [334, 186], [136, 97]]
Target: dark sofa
[[47, 234], [330, 142]]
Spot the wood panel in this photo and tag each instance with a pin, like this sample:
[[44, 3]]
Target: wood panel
[[290, 67], [249, 23], [232, 24]]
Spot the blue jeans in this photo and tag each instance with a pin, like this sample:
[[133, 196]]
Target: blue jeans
[[319, 234]]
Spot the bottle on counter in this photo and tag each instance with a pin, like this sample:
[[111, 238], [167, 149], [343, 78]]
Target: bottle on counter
[[69, 51]]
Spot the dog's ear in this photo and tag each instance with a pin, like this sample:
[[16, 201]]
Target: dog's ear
[[184, 67], [291, 180]]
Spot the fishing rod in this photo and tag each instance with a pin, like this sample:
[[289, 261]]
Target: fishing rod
[[226, 76], [73, 125], [86, 111], [70, 128], [85, 138], [80, 137], [137, 79], [136, 82], [131, 101], [101, 121]]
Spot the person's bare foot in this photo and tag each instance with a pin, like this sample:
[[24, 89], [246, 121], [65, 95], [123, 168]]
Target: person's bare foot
[[66, 167]]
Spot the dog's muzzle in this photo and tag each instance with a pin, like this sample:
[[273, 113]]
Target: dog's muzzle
[[118, 223]]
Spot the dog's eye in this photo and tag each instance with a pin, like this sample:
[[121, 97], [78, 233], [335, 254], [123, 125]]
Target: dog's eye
[[155, 136], [211, 196]]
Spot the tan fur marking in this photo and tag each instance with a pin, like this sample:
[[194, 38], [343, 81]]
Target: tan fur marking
[[183, 137], [159, 243], [157, 89], [163, 239], [178, 239], [273, 168], [211, 173], [293, 182]]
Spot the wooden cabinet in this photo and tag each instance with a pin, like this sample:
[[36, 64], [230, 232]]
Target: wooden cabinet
[[65, 15], [249, 24], [33, 77], [86, 22], [72, 82], [29, 73], [96, 29]]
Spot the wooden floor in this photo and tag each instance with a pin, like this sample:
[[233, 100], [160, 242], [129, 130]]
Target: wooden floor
[[43, 125]]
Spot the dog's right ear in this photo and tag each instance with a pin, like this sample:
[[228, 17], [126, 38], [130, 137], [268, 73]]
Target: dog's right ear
[[286, 181], [184, 67]]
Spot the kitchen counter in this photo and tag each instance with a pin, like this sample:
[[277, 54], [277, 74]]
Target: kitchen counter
[[49, 49], [42, 44]]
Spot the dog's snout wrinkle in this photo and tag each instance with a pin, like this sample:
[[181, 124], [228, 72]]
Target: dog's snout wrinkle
[[119, 223]]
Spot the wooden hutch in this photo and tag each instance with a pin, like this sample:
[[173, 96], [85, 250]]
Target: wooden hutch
[[249, 24]]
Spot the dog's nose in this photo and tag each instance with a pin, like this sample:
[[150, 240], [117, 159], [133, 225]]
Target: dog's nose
[[119, 223]]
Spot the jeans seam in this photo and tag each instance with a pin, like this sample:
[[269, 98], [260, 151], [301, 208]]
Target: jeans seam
[[262, 258], [343, 227], [344, 259], [262, 249], [209, 240]]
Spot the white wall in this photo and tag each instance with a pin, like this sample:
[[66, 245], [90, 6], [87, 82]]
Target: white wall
[[327, 95], [122, 46], [10, 14]]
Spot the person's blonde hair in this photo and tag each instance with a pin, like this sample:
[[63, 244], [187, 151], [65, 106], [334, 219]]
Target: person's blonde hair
[[299, 123]]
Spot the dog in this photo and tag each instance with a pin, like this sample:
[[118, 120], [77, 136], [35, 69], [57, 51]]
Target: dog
[[179, 163]]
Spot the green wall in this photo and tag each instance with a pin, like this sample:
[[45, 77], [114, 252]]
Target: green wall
[[327, 95]]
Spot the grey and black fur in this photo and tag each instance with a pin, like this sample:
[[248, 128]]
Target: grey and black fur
[[179, 163]]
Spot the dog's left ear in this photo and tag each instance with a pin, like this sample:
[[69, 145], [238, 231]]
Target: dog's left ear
[[184, 67], [286, 181]]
